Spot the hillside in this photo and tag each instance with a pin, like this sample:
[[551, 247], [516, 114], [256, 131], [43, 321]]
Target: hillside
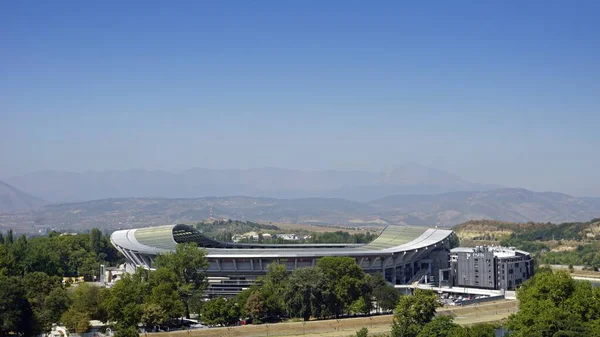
[[570, 243], [511, 205], [57, 186], [135, 212], [508, 204], [13, 199]]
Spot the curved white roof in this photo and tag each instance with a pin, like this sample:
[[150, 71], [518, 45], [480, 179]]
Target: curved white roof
[[392, 240]]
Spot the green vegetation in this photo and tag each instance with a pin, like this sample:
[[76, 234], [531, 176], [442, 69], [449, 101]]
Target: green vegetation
[[363, 332], [336, 286], [572, 243], [159, 297], [415, 317], [32, 294], [553, 304], [413, 313], [224, 230]]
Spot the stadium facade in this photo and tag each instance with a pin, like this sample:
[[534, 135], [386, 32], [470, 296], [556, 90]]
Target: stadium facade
[[402, 254]]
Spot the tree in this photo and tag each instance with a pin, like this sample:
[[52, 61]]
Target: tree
[[163, 283], [441, 326], [413, 312], [220, 311], [76, 321], [344, 282], [123, 304], [16, 316], [127, 332], [363, 332], [359, 306], [481, 330], [304, 294], [272, 287], [188, 265], [47, 298], [9, 239], [255, 306], [385, 294], [152, 315], [553, 304], [90, 299], [96, 241]]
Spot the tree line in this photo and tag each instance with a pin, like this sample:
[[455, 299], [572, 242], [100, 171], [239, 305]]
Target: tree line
[[336, 286], [32, 292], [314, 237]]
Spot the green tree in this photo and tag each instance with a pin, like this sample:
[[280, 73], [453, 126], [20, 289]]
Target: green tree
[[9, 239], [130, 331], [359, 306], [96, 241], [76, 321], [152, 315], [442, 326], [344, 282], [413, 312], [272, 289], [123, 304], [16, 316], [220, 311], [363, 332], [163, 283], [188, 264], [481, 330], [47, 298], [385, 294], [553, 304], [90, 299], [304, 294]]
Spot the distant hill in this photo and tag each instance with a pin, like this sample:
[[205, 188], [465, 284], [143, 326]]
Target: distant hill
[[493, 230], [361, 186], [13, 199], [508, 204], [511, 205]]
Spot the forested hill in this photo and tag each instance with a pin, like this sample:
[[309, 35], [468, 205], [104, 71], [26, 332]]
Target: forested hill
[[493, 230], [570, 243]]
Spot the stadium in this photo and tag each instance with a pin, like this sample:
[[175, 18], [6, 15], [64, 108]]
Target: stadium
[[403, 254]]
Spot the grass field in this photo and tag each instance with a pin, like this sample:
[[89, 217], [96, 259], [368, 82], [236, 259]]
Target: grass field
[[467, 315], [324, 229]]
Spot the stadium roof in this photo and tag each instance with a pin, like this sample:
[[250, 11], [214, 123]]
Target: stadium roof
[[393, 239]]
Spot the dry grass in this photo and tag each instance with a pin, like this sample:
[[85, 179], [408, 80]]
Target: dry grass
[[342, 327], [324, 229], [467, 315]]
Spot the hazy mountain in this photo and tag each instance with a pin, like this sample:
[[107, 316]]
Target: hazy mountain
[[516, 205], [264, 182], [509, 204], [12, 199]]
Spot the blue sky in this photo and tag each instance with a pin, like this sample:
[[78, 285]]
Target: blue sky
[[500, 92]]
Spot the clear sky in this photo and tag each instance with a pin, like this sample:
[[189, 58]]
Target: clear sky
[[504, 92]]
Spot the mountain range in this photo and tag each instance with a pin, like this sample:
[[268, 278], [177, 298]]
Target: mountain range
[[446, 209], [57, 186], [13, 199]]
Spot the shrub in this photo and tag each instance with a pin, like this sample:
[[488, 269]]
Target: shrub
[[363, 332]]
